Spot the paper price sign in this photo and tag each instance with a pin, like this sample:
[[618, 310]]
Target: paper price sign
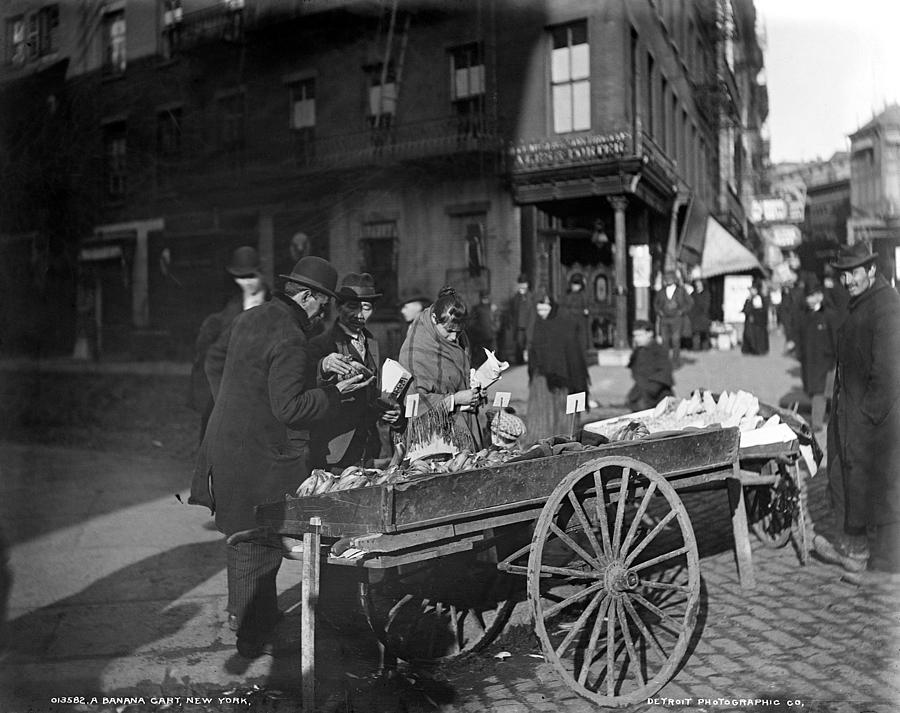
[[575, 402], [501, 399], [412, 406]]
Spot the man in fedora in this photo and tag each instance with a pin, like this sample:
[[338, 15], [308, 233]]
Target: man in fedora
[[256, 446], [864, 431], [244, 269], [350, 436]]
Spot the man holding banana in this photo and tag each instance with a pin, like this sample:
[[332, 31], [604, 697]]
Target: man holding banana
[[256, 446]]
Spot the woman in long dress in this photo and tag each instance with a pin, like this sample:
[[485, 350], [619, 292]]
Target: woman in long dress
[[556, 368], [436, 353], [756, 323]]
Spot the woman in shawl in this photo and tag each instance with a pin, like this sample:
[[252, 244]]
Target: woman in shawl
[[435, 352], [556, 368]]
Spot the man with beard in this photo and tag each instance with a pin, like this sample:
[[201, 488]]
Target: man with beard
[[863, 443], [350, 436], [256, 446]]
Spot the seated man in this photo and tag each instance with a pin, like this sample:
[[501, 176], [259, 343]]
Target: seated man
[[650, 367]]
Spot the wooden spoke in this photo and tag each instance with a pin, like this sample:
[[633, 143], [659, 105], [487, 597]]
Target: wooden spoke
[[629, 645], [661, 558], [636, 521], [592, 642], [575, 547], [578, 596], [601, 512], [585, 525], [580, 622], [611, 654], [569, 572], [677, 625], [650, 537], [645, 632], [620, 510]]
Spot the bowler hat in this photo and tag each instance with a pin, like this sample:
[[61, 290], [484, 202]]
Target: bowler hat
[[244, 261], [358, 287], [314, 272], [811, 285], [854, 256], [406, 298]]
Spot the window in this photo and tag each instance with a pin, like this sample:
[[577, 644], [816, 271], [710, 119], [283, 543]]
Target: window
[[471, 229], [168, 143], [382, 96], [115, 160], [16, 50], [467, 88], [302, 118], [29, 37], [232, 113], [114, 42], [648, 95], [171, 34], [570, 78], [665, 120], [379, 258]]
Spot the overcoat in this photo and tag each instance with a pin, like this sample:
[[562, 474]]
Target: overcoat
[[350, 433], [816, 345], [866, 404], [256, 447]]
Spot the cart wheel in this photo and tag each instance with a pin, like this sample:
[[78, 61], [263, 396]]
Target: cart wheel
[[798, 530], [767, 512], [436, 610], [614, 580]]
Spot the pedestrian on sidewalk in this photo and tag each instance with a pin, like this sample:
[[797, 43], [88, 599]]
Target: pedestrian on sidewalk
[[245, 270], [518, 321], [256, 446], [863, 442], [556, 368], [756, 322], [673, 306], [816, 347]]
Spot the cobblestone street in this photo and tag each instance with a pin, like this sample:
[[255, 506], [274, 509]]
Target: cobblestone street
[[119, 590]]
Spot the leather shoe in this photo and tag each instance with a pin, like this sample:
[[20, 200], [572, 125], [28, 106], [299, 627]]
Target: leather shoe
[[838, 554]]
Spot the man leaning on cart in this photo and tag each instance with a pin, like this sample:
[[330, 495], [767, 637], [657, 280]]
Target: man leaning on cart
[[256, 446]]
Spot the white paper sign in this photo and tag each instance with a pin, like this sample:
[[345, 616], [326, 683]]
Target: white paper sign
[[412, 406], [575, 402], [501, 399]]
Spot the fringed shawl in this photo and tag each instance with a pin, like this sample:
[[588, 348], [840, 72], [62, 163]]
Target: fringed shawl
[[439, 367]]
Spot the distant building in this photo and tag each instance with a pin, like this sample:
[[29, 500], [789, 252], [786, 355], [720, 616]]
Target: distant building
[[875, 188], [424, 141]]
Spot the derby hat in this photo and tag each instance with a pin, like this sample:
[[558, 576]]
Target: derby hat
[[854, 256], [812, 285], [357, 287], [314, 272], [244, 261]]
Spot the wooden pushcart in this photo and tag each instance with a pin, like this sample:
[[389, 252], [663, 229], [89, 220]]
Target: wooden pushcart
[[601, 537]]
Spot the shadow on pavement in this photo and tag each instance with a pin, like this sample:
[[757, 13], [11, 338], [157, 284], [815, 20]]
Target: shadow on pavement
[[75, 639]]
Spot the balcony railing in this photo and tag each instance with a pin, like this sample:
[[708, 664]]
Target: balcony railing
[[385, 144], [210, 24]]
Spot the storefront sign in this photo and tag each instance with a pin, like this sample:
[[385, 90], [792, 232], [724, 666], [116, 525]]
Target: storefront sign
[[785, 237], [640, 265], [579, 150]]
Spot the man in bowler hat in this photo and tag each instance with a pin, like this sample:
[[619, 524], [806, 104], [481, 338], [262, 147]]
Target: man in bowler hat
[[244, 269], [350, 435], [256, 446], [863, 443]]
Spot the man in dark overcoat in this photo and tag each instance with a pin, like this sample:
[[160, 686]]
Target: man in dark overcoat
[[256, 446], [672, 305], [650, 368], [816, 345], [864, 432], [349, 436], [518, 319]]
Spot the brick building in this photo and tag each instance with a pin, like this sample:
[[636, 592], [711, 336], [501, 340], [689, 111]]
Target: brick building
[[424, 141]]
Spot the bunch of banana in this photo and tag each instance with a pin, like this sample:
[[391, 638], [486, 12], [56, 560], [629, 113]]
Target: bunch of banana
[[352, 477], [318, 482]]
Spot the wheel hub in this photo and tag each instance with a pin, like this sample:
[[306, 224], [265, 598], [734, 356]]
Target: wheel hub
[[618, 578]]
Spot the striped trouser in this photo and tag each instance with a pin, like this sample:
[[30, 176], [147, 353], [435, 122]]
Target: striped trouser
[[252, 594]]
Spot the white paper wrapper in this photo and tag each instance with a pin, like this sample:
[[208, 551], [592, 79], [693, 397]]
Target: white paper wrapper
[[394, 378], [489, 372]]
